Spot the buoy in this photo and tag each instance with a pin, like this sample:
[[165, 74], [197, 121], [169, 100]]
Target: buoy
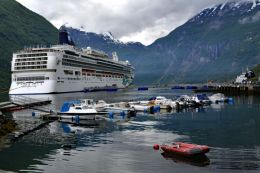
[[230, 100], [156, 147], [65, 127], [122, 114], [156, 108], [111, 115], [77, 119]]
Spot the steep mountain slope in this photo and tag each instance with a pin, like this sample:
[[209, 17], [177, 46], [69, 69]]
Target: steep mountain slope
[[132, 51], [20, 27], [106, 42], [215, 44]]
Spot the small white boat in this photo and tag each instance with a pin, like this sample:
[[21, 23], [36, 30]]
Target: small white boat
[[201, 99], [163, 102], [122, 108], [185, 101], [84, 108], [142, 108], [219, 97]]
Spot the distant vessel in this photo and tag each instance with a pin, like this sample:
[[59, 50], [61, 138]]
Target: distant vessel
[[244, 76], [64, 68]]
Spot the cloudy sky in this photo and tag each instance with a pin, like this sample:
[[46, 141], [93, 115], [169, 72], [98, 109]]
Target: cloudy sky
[[127, 20]]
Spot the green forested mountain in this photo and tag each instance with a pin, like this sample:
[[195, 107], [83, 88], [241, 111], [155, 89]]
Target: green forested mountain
[[20, 27], [256, 70]]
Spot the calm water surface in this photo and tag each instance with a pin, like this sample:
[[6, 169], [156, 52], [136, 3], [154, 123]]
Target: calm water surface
[[232, 130]]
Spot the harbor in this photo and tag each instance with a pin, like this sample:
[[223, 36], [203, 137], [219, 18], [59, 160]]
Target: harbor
[[131, 139], [130, 87]]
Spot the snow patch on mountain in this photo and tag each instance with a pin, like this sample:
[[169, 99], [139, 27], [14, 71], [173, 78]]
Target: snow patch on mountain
[[254, 4], [109, 36], [223, 5], [238, 6]]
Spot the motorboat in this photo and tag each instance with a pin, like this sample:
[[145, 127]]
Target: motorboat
[[218, 97], [162, 101], [184, 101], [201, 99], [83, 107], [122, 108]]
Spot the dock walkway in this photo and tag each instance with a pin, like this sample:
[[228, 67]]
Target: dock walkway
[[232, 89], [22, 102]]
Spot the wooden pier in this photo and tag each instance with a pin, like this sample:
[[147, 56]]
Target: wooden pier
[[22, 102], [232, 89]]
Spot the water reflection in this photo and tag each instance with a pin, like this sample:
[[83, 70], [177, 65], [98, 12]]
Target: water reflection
[[197, 160], [231, 131]]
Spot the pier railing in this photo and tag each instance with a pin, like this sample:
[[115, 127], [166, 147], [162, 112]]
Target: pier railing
[[41, 105]]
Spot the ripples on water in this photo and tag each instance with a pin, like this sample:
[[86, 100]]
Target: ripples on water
[[232, 132]]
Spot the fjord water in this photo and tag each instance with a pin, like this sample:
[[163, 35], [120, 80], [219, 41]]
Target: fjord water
[[231, 130]]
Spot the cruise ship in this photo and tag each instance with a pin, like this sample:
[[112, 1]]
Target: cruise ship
[[64, 68]]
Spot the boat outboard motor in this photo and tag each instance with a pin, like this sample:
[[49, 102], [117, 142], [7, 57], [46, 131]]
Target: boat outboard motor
[[64, 37]]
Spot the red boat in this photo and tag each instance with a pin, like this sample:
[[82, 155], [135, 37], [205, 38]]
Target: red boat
[[183, 149]]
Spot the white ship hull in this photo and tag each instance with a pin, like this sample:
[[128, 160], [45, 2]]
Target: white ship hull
[[52, 87]]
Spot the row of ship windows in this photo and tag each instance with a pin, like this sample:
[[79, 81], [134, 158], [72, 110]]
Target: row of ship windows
[[102, 75], [41, 78], [30, 67], [31, 59], [32, 78], [32, 55], [84, 78], [93, 61], [83, 65], [31, 63], [77, 73]]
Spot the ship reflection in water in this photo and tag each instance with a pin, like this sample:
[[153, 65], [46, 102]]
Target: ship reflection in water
[[231, 131]]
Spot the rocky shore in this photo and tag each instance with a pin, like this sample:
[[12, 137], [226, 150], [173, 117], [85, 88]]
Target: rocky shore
[[6, 125]]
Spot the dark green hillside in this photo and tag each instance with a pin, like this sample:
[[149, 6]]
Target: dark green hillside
[[20, 27], [256, 69]]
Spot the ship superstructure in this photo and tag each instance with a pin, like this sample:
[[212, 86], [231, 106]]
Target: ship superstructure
[[65, 68]]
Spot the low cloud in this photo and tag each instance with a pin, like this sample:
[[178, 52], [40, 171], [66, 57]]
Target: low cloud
[[128, 20], [252, 19]]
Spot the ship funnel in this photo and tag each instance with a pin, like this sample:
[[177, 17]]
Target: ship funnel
[[64, 37]]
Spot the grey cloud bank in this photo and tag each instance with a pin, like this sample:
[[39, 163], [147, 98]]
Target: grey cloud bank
[[128, 20]]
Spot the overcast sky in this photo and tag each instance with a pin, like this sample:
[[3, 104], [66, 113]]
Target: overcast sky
[[127, 20]]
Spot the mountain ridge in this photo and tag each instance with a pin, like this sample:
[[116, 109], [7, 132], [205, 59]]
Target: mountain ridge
[[215, 44]]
